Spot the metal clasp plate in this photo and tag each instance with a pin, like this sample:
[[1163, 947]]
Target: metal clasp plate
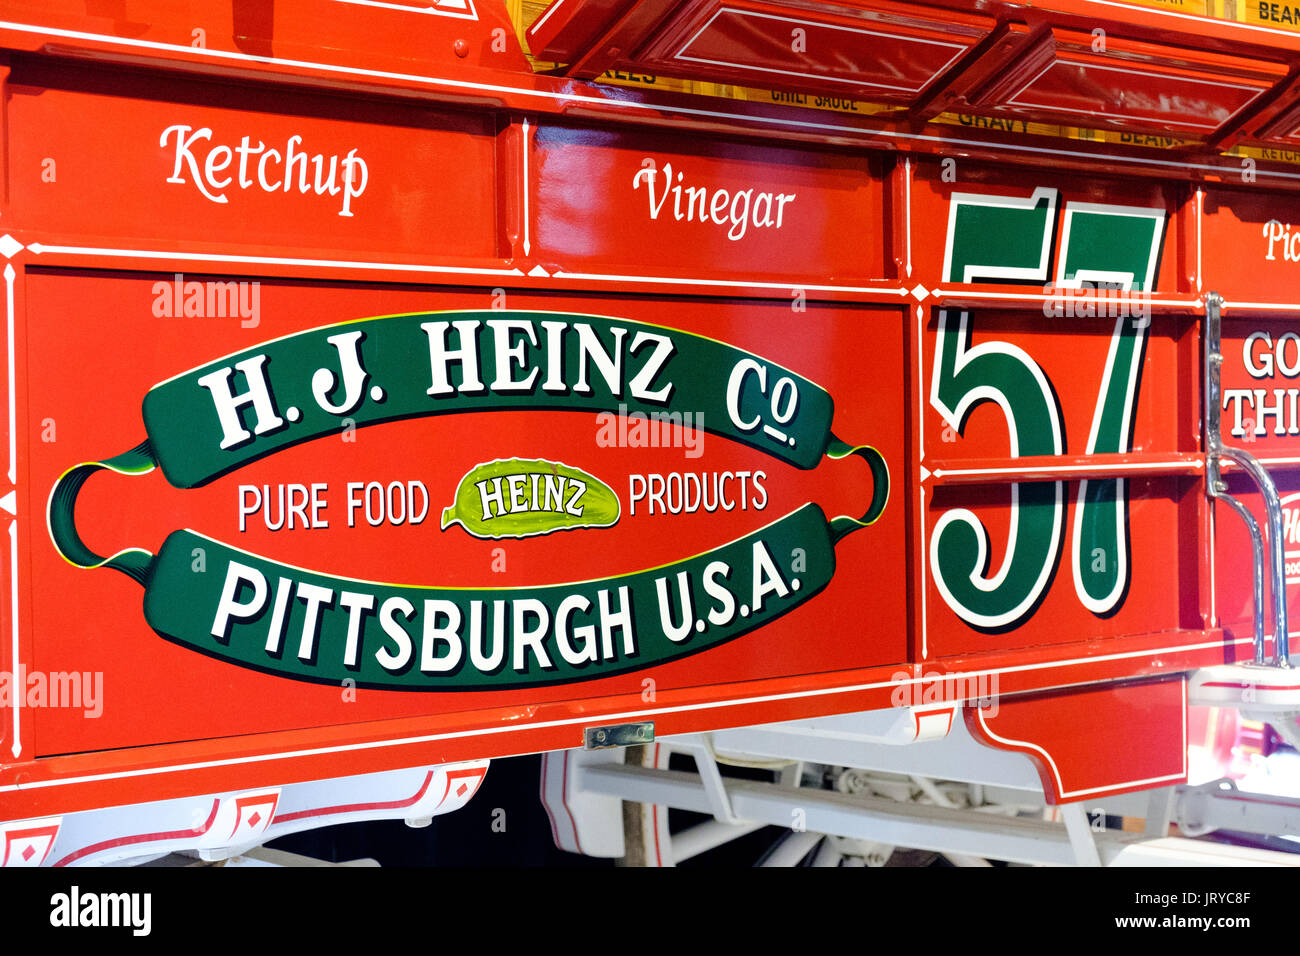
[[618, 735]]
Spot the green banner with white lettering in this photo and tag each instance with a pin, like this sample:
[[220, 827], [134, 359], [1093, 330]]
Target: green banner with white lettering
[[261, 614]]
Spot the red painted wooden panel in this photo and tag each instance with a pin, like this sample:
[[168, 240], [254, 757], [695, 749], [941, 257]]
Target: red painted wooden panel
[[1113, 82], [1089, 743], [880, 54]]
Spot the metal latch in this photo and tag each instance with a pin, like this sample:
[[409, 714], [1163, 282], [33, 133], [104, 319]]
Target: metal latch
[[618, 735]]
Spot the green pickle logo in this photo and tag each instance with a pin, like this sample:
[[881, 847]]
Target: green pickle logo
[[520, 498], [261, 614]]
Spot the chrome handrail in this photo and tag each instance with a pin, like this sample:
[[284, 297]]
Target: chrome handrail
[[1216, 487]]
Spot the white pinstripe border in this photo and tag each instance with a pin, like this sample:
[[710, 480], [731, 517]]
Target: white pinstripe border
[[591, 719]]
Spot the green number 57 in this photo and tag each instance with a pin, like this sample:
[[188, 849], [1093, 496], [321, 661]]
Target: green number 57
[[1009, 238]]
